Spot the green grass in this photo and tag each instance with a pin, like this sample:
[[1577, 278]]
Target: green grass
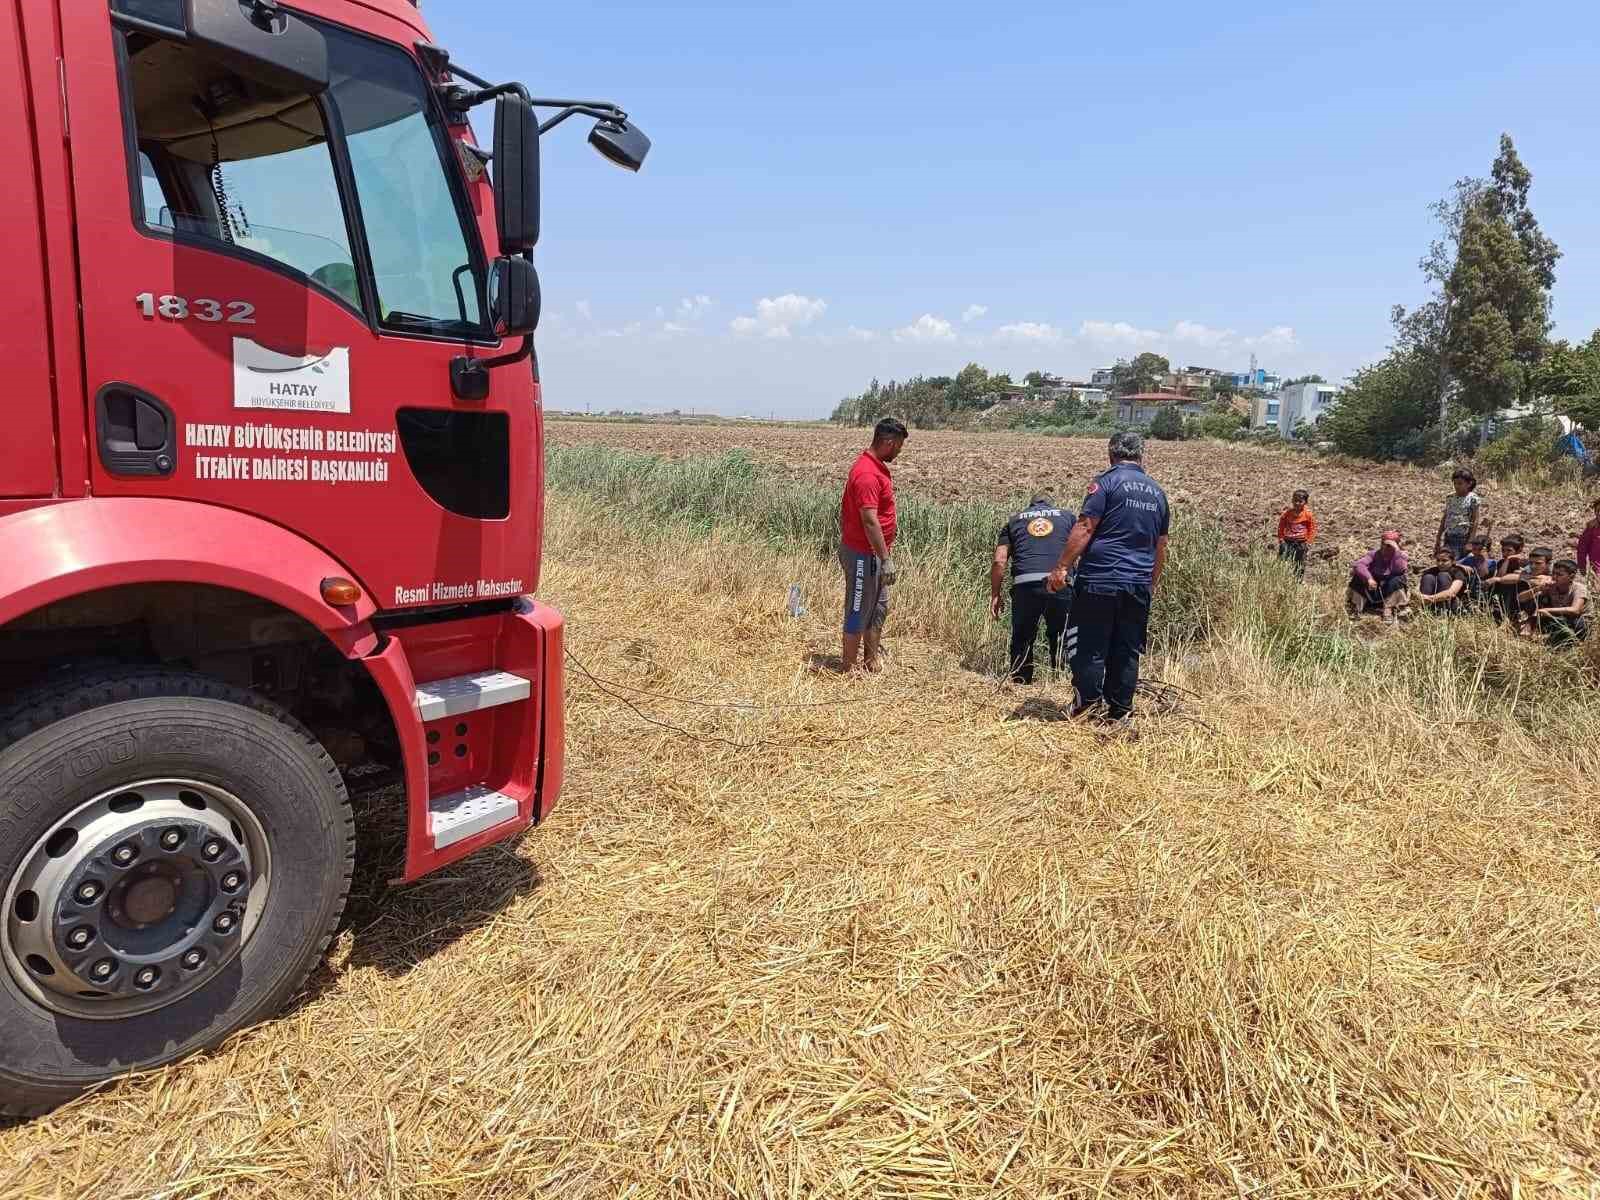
[[1211, 596]]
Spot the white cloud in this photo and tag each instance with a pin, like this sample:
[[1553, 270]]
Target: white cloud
[[674, 327], [926, 328], [1029, 331], [1201, 335], [1279, 337], [628, 330], [692, 308], [860, 335], [776, 317], [1188, 333], [973, 312], [1117, 331], [661, 313], [585, 311]]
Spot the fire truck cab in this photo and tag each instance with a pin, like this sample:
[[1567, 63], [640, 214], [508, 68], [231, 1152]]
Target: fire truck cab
[[270, 501]]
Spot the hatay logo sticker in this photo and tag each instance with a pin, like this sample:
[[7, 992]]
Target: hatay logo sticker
[[1041, 527], [264, 378]]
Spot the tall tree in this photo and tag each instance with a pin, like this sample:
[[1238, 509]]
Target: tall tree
[[1497, 295], [1143, 374]]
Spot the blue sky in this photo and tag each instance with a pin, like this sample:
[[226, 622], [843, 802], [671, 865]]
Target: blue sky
[[838, 191]]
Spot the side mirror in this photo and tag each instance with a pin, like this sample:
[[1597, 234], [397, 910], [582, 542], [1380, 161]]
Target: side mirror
[[620, 142], [257, 38], [516, 173], [514, 296]]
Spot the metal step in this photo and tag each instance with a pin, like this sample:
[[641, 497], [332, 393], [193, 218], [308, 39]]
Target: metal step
[[461, 814], [469, 693]]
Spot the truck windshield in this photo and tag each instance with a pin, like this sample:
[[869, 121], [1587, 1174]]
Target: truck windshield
[[241, 164]]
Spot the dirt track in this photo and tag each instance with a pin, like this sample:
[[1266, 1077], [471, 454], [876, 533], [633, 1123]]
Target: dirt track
[[1245, 487]]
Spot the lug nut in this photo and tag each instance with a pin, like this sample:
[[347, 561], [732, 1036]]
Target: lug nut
[[171, 839], [223, 923], [147, 977], [124, 854], [88, 892], [212, 850], [80, 937], [103, 969], [231, 881], [194, 958]]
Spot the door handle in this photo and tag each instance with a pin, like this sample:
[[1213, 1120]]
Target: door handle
[[137, 431]]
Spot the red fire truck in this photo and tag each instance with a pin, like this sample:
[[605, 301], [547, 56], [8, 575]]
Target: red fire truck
[[270, 500]]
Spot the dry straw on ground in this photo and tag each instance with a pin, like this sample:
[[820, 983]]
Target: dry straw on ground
[[1323, 947]]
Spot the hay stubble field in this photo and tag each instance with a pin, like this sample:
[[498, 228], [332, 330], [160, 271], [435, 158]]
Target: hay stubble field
[[911, 937]]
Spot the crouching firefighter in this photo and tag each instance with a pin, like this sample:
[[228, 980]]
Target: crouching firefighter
[[1032, 541]]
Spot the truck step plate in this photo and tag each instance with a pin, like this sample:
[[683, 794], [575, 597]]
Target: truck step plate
[[461, 814], [469, 693]]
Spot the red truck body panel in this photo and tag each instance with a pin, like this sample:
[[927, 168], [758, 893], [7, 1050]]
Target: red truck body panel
[[71, 324]]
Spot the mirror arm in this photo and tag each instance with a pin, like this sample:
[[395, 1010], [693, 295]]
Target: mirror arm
[[603, 112], [469, 377]]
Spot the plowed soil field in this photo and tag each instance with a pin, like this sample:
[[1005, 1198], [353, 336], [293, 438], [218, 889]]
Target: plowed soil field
[[1244, 487]]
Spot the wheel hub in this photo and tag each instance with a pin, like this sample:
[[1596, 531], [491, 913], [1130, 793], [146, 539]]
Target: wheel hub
[[136, 899]]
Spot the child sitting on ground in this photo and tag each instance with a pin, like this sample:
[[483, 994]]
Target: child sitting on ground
[[1444, 585], [1297, 529], [1459, 524], [1378, 581], [1478, 566], [1505, 581], [1561, 605], [1535, 577]]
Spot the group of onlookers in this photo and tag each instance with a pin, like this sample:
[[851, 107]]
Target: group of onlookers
[[1532, 591]]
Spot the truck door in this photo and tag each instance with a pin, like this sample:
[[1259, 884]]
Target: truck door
[[29, 403], [275, 283]]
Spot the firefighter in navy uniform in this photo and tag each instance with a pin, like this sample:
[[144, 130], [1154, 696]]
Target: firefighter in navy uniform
[[1032, 540], [1119, 546]]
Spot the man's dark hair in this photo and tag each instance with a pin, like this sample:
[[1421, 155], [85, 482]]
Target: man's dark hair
[[1514, 540], [1541, 552], [1479, 539], [1565, 564], [1042, 500], [1463, 473], [1301, 497], [888, 428], [1126, 446]]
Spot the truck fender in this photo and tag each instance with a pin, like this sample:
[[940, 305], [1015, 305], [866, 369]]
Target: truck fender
[[60, 550]]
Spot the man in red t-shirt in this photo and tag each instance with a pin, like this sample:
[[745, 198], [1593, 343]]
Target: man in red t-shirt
[[866, 535]]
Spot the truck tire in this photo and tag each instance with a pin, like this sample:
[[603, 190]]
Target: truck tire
[[175, 854]]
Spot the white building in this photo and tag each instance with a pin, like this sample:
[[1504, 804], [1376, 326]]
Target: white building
[[1302, 404]]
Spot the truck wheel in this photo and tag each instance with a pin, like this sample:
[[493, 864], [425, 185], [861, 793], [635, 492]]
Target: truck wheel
[[174, 856]]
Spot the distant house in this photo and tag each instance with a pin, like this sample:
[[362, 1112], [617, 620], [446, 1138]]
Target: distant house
[[1142, 408], [1264, 411], [1303, 404]]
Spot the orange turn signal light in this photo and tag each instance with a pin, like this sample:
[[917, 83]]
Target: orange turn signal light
[[339, 591]]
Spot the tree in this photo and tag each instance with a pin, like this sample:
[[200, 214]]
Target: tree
[[1034, 379], [1143, 374], [1305, 379], [1384, 411], [970, 386], [1569, 377], [1168, 424], [1497, 293]]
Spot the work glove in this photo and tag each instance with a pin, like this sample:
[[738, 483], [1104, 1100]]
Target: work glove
[[886, 570]]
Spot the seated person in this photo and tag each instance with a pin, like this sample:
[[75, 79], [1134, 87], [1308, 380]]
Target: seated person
[[1505, 580], [1443, 586], [1479, 566], [1561, 606], [1531, 582], [1378, 580]]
